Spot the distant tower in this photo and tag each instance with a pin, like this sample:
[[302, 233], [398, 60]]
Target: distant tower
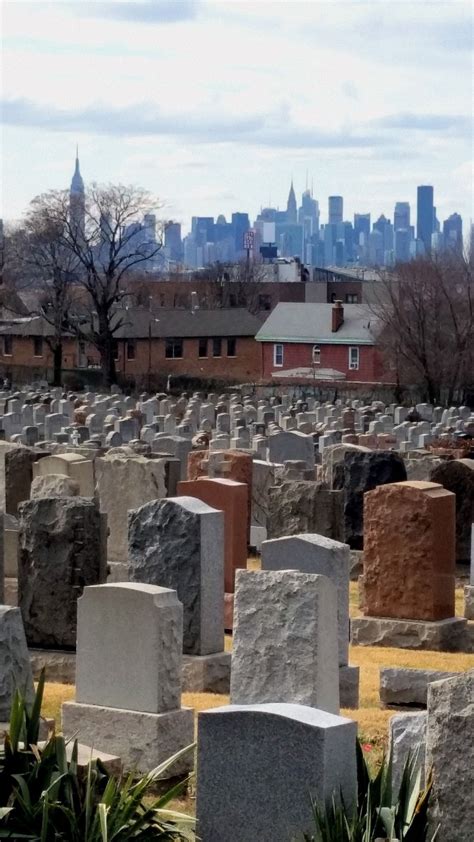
[[77, 199], [291, 210], [335, 206], [425, 215]]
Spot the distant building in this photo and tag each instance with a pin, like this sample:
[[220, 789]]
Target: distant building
[[335, 209], [240, 225], [291, 210], [425, 215], [77, 199], [401, 216], [173, 242], [402, 245], [452, 232]]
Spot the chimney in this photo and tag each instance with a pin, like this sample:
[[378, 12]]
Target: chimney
[[337, 316]]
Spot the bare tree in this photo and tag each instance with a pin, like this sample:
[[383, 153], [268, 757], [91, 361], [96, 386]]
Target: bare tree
[[107, 239], [233, 284], [425, 312], [38, 261]]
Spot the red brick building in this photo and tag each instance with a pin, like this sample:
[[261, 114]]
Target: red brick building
[[321, 342], [202, 344]]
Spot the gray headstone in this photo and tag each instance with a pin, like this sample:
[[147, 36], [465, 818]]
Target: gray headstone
[[267, 759], [285, 640], [316, 554], [129, 647], [15, 667], [178, 543]]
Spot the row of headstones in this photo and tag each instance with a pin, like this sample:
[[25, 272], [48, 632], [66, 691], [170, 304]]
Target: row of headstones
[[128, 702]]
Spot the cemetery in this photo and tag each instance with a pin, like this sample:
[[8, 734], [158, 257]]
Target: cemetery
[[232, 609]]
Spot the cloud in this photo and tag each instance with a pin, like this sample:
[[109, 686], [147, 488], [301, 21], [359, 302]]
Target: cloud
[[425, 122], [146, 119], [139, 11]]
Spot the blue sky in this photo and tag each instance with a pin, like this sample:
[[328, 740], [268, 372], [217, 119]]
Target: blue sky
[[213, 105]]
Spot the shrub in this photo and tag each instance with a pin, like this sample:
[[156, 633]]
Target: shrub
[[381, 814], [45, 797]]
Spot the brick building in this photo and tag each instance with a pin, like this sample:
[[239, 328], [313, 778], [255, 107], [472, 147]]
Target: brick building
[[321, 342], [150, 345]]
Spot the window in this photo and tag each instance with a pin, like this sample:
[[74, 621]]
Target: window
[[353, 358], [352, 298], [217, 347], [231, 347], [278, 355], [333, 297], [316, 355], [202, 352], [37, 346], [131, 349], [264, 302], [174, 349], [7, 346], [115, 350]]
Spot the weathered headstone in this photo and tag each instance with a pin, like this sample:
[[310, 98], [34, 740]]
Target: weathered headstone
[[299, 506], [293, 616], [15, 667], [61, 551]]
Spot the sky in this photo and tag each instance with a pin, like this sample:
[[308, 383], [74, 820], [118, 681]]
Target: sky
[[214, 105]]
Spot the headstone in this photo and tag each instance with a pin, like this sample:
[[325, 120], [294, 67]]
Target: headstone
[[299, 506], [54, 485], [457, 476], [272, 758], [129, 648], [449, 742], [357, 474], [293, 616], [409, 552], [179, 543], [61, 551], [231, 498], [407, 739], [15, 667]]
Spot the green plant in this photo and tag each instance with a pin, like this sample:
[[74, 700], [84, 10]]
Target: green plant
[[381, 813], [47, 798]]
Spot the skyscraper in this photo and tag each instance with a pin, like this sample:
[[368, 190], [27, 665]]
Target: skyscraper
[[240, 224], [361, 226], [291, 210], [173, 244], [425, 215], [77, 199], [452, 232], [401, 216], [335, 209]]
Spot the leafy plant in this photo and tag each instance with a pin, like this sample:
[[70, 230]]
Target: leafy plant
[[381, 814], [47, 798]]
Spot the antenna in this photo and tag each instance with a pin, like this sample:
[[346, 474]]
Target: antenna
[[306, 180]]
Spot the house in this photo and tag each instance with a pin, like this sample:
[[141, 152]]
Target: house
[[325, 342], [149, 346]]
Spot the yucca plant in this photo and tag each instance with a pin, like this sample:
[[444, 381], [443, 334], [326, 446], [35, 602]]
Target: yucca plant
[[46, 797], [381, 814]]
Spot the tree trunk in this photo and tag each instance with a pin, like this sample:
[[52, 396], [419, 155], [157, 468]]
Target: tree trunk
[[107, 361], [57, 363]]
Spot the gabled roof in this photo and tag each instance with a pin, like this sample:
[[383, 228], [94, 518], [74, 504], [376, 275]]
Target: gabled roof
[[313, 322]]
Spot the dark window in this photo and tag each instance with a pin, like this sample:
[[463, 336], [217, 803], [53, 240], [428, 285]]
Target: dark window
[[131, 348], [231, 347], [233, 300], [264, 302], [174, 349], [217, 347], [8, 346], [333, 297], [352, 298], [203, 348], [37, 346]]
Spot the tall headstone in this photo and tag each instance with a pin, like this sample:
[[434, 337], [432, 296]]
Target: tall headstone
[[309, 553], [128, 685], [272, 758], [293, 617], [179, 543], [408, 584], [298, 506], [61, 551], [457, 475]]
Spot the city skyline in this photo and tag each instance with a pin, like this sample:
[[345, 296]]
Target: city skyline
[[212, 127]]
